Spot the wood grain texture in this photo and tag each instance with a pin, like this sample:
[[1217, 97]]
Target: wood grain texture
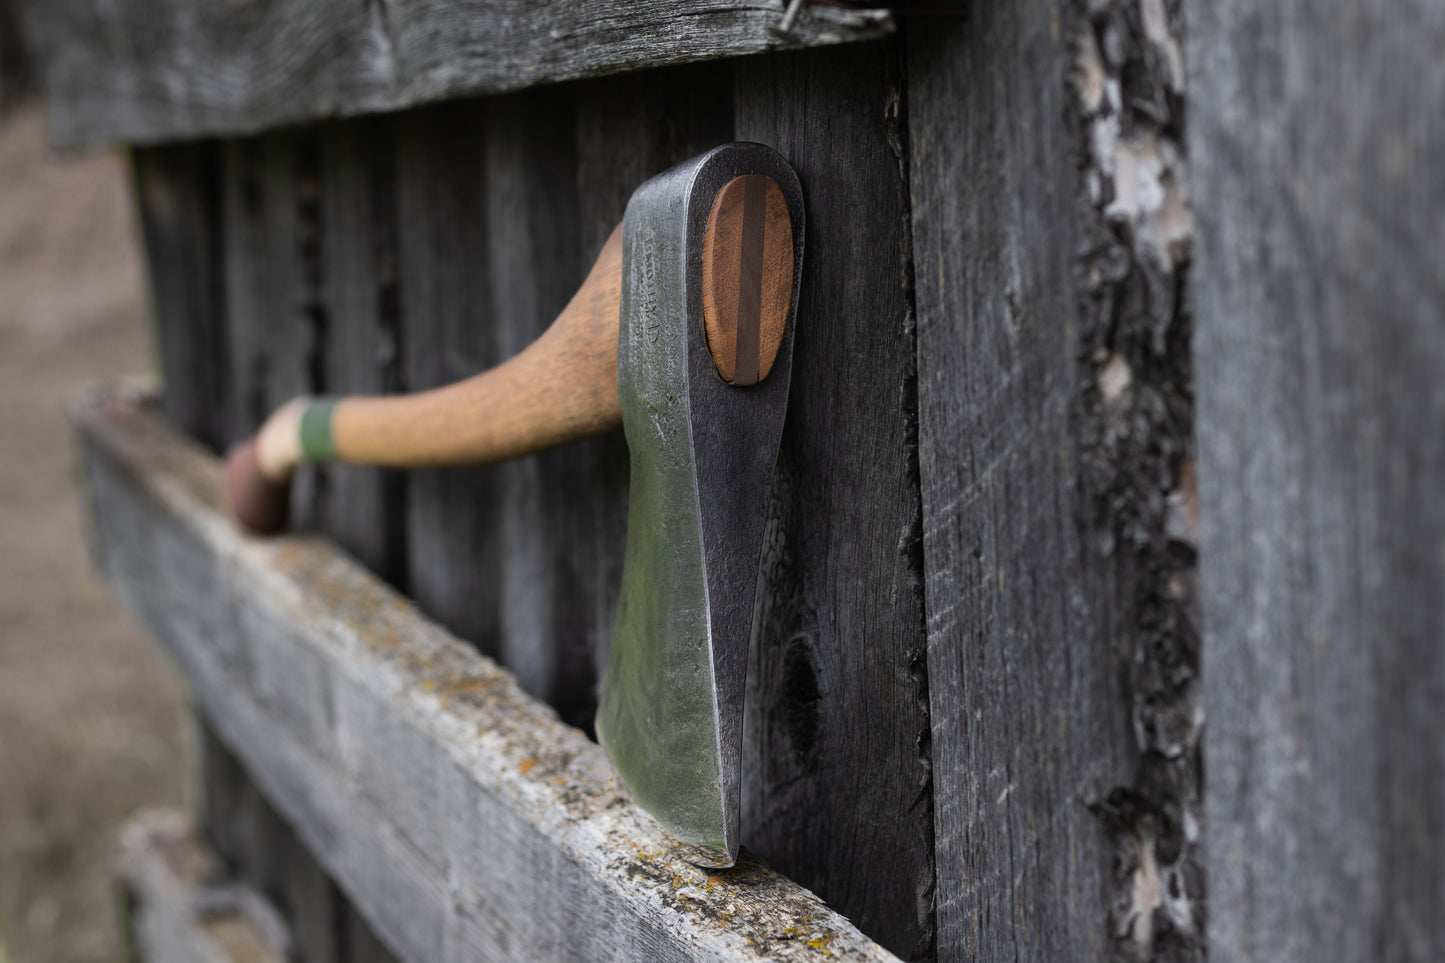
[[277, 319], [1050, 225], [357, 259], [546, 509], [835, 751], [153, 70], [1316, 140], [453, 542], [269, 332], [747, 278], [461, 816], [178, 199]]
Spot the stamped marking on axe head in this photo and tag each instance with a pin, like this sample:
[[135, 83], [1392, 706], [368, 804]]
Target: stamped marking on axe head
[[703, 452]]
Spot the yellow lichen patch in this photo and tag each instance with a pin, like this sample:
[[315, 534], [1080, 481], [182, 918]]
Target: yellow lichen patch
[[461, 685], [287, 555], [526, 766], [819, 940]]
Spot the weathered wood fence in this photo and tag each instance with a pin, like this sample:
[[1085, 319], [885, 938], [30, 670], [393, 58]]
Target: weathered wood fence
[[1116, 419]]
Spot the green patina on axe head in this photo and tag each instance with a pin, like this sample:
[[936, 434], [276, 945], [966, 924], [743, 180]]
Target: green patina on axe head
[[703, 452]]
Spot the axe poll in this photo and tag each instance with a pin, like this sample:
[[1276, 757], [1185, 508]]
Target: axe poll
[[682, 335]]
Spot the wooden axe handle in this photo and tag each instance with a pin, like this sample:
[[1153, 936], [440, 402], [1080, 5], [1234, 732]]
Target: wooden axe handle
[[562, 388]]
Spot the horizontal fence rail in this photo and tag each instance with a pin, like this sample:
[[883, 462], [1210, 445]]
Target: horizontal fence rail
[[145, 71], [463, 818]]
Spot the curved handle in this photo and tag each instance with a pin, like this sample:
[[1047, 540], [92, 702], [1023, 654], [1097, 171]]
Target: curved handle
[[561, 388]]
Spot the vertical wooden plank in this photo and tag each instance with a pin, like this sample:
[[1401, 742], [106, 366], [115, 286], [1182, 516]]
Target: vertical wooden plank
[[628, 129], [265, 279], [359, 297], [1051, 230], [178, 195], [1315, 139], [836, 758], [543, 517], [264, 852], [453, 545], [284, 217]]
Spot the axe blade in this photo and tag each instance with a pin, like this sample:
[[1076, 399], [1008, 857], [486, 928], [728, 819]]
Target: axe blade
[[702, 460]]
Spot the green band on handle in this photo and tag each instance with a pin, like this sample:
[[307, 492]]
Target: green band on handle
[[316, 443]]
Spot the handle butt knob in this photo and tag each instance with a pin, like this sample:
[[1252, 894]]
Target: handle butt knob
[[258, 503]]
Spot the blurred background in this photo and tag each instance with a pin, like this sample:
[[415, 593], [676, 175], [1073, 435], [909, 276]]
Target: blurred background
[[91, 721]]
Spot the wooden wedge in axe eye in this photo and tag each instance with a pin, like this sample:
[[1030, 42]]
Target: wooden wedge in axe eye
[[682, 335]]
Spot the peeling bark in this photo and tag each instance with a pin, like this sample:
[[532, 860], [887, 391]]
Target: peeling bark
[[1135, 416]]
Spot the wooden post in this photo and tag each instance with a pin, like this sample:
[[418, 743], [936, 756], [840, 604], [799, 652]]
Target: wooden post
[[1050, 225], [1316, 142], [836, 738]]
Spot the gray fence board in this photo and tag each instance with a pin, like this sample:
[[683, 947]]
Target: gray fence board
[[269, 335], [452, 530], [531, 257], [152, 70], [354, 250], [1316, 141]]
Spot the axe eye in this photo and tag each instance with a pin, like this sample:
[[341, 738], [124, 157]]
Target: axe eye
[[747, 277]]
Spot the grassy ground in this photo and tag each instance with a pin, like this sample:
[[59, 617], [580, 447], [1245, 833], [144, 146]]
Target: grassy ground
[[92, 722]]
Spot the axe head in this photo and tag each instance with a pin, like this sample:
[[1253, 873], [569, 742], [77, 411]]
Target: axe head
[[703, 453]]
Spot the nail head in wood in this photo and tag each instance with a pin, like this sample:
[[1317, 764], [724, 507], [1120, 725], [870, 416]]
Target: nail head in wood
[[747, 277]]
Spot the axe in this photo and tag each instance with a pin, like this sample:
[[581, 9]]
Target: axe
[[681, 335]]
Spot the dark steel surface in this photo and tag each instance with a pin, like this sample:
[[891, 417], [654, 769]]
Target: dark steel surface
[[703, 455]]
